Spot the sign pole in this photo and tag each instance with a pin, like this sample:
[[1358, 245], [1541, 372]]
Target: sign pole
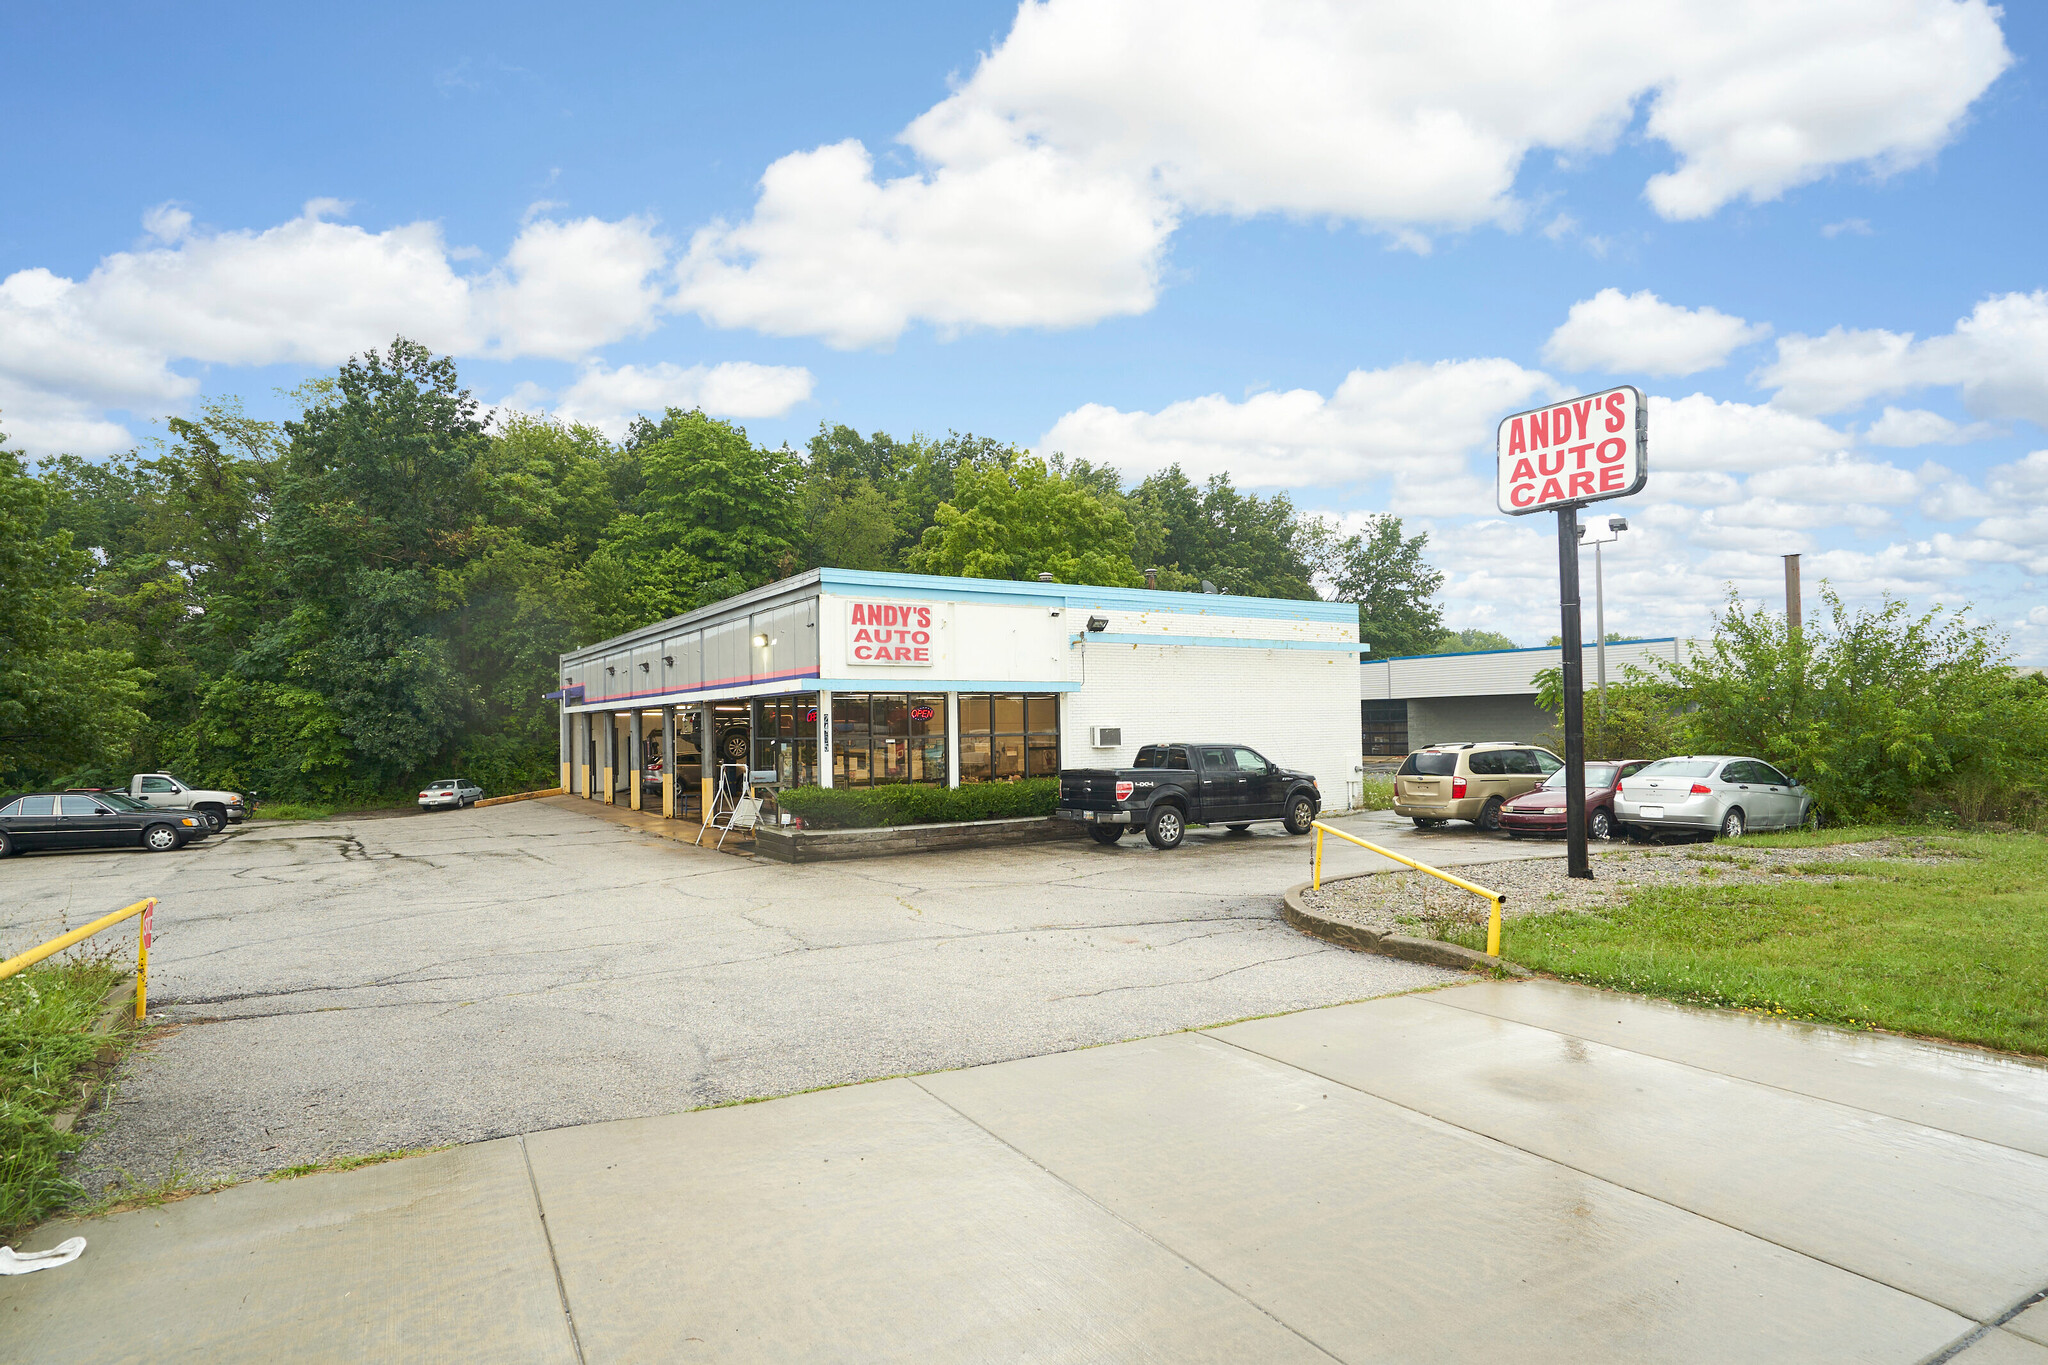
[[1574, 671]]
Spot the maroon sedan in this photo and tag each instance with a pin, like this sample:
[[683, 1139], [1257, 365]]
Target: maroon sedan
[[1542, 811]]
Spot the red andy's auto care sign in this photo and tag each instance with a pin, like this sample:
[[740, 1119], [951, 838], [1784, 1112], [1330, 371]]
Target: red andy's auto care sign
[[893, 633], [1581, 450]]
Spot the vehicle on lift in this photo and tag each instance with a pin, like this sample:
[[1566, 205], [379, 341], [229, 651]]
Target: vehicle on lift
[[218, 808], [54, 820], [1171, 786]]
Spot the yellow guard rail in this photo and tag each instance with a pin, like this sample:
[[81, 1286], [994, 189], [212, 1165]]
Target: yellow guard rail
[[1493, 921], [143, 908]]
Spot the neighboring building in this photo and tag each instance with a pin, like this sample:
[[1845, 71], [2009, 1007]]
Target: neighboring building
[[854, 679], [1423, 699]]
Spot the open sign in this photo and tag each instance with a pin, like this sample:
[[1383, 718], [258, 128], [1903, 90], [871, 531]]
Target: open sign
[[922, 713], [1585, 449]]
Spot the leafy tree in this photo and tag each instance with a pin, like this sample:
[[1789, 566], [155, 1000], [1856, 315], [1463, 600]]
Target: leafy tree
[[1472, 640], [1239, 541], [1024, 519], [1395, 588], [65, 703]]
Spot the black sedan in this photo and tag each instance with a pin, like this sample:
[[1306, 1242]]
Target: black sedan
[[42, 820]]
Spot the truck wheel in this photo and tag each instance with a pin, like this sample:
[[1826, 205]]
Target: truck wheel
[[160, 838], [1489, 815], [1301, 813], [216, 819], [1166, 828], [1105, 834]]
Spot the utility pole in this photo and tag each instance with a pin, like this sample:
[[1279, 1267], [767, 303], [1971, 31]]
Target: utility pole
[[1792, 614]]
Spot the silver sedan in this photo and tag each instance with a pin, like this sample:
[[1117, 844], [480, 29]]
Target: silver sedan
[[449, 794], [1722, 794]]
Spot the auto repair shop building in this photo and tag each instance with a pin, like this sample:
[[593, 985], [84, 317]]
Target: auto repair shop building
[[1416, 700], [842, 678]]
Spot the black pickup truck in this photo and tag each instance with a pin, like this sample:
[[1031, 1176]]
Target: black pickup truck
[[1172, 786]]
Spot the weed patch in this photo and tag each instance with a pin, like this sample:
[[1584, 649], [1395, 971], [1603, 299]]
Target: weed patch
[[47, 1041]]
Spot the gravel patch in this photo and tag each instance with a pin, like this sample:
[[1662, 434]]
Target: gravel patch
[[1418, 904]]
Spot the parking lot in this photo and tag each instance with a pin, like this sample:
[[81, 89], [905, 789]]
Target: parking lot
[[381, 984]]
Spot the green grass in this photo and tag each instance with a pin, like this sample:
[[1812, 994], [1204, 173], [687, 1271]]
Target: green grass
[[292, 810], [1376, 793], [1956, 949], [46, 1040], [350, 1163]]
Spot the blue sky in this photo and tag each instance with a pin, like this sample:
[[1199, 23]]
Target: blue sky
[[1321, 247]]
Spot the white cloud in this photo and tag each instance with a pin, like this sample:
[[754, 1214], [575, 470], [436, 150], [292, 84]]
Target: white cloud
[[1702, 433], [609, 399], [1640, 333], [1049, 181], [1997, 357], [1906, 427], [1025, 237], [1418, 423], [1858, 227], [309, 291]]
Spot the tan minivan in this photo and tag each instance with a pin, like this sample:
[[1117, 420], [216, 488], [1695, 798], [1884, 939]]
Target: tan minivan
[[1468, 781]]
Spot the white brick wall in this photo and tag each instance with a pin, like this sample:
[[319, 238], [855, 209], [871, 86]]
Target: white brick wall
[[1297, 707]]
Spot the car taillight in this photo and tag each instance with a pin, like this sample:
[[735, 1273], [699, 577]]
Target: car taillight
[[426, 793], [1124, 790], [1702, 789], [1457, 788]]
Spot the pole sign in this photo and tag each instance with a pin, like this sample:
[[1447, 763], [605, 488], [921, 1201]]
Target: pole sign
[[1586, 449], [1557, 459]]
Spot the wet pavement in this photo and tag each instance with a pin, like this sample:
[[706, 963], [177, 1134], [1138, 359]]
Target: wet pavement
[[1488, 1171]]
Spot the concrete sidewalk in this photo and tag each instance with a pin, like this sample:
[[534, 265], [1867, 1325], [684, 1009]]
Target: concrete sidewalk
[[1498, 1171]]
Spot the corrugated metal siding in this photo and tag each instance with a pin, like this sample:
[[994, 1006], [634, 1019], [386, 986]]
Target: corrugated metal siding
[[1497, 673]]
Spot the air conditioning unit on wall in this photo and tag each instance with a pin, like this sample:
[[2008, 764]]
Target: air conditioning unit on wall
[[1106, 736]]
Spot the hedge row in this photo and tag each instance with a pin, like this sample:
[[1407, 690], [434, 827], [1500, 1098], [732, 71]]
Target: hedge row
[[918, 804]]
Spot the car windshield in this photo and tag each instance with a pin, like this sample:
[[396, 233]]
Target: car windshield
[[1429, 765], [441, 783], [1597, 775], [1680, 767]]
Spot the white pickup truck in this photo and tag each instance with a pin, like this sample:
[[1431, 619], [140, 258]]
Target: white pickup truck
[[221, 808]]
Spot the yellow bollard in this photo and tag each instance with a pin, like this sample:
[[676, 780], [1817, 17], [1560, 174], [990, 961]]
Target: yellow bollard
[[1493, 930], [142, 961], [1318, 879], [668, 795]]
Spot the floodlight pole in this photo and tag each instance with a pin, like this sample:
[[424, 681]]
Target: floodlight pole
[[1577, 863]]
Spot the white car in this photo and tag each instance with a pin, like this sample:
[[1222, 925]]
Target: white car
[[1716, 793], [451, 793]]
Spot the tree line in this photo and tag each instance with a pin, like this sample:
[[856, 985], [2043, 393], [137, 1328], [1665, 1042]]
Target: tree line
[[336, 607]]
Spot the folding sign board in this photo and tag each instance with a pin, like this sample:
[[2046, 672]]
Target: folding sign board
[[1585, 449]]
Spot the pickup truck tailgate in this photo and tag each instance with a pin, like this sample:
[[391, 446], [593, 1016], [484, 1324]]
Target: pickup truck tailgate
[[1088, 789]]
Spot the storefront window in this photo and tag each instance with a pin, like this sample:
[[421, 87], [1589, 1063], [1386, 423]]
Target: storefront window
[[884, 737], [1008, 736]]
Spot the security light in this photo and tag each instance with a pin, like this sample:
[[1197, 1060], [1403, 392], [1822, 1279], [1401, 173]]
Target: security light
[[609, 669], [1617, 523], [1098, 623], [669, 659], [646, 667], [760, 642]]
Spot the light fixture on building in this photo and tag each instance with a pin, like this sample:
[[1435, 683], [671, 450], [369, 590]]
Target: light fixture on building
[[609, 669], [1045, 578], [1098, 623], [646, 667], [669, 659], [760, 642]]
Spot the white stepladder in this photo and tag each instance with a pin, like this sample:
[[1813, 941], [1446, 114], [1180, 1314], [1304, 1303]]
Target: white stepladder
[[732, 799]]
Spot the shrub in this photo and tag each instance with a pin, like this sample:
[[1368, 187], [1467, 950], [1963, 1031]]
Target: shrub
[[46, 1039], [917, 804]]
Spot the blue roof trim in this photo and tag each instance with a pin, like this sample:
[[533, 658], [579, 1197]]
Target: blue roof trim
[[1222, 642], [1533, 649], [1082, 595]]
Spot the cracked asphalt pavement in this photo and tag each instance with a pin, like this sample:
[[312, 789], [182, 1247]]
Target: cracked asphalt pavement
[[347, 987]]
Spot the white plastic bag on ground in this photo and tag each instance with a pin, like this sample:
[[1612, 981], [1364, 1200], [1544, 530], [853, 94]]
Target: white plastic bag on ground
[[14, 1262]]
